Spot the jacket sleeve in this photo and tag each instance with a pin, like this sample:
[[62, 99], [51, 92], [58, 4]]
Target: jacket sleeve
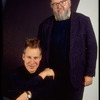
[[91, 50], [39, 88], [44, 90], [17, 85]]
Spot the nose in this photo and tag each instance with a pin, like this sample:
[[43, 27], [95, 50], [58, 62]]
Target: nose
[[32, 61], [59, 6]]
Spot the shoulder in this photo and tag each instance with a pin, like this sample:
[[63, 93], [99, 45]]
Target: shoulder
[[17, 72], [19, 69], [79, 16], [48, 20]]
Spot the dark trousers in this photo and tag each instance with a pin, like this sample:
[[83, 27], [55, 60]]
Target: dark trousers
[[65, 91], [74, 94]]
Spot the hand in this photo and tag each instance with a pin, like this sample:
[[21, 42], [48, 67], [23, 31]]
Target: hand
[[88, 80], [23, 96], [47, 72]]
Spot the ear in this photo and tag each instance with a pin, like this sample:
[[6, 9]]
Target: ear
[[40, 57], [23, 56], [69, 1]]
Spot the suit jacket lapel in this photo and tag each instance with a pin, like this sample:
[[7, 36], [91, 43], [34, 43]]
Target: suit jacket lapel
[[50, 24], [73, 30]]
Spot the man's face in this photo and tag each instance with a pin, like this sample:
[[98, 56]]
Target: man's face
[[32, 58], [61, 10]]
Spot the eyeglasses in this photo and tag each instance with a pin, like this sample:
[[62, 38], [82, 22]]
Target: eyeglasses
[[61, 3]]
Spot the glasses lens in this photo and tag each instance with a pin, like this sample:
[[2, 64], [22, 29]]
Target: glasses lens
[[54, 5], [62, 3]]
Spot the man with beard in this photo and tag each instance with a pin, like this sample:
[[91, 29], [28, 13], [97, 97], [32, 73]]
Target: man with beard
[[69, 48]]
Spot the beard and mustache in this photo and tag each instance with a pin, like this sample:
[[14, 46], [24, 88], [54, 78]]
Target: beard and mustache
[[61, 16]]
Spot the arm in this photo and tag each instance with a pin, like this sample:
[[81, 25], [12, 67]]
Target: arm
[[91, 55], [47, 72], [43, 89], [91, 51]]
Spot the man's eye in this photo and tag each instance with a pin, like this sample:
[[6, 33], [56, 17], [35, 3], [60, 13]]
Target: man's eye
[[29, 57], [35, 57]]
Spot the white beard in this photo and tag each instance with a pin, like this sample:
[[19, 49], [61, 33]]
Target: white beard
[[61, 17]]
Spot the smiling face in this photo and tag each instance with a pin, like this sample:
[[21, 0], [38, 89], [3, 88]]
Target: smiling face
[[61, 10], [31, 58]]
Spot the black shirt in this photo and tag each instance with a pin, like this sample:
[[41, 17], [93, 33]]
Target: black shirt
[[21, 80], [59, 46]]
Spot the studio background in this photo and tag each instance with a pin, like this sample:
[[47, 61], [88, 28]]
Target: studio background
[[90, 8], [21, 19]]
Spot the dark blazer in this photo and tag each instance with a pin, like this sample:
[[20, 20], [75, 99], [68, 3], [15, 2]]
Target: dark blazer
[[83, 47]]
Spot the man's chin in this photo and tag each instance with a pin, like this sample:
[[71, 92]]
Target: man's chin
[[32, 71]]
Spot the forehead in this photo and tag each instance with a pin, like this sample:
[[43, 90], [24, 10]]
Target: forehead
[[30, 50], [56, 0]]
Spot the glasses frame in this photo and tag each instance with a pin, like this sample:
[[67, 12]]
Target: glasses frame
[[61, 3]]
